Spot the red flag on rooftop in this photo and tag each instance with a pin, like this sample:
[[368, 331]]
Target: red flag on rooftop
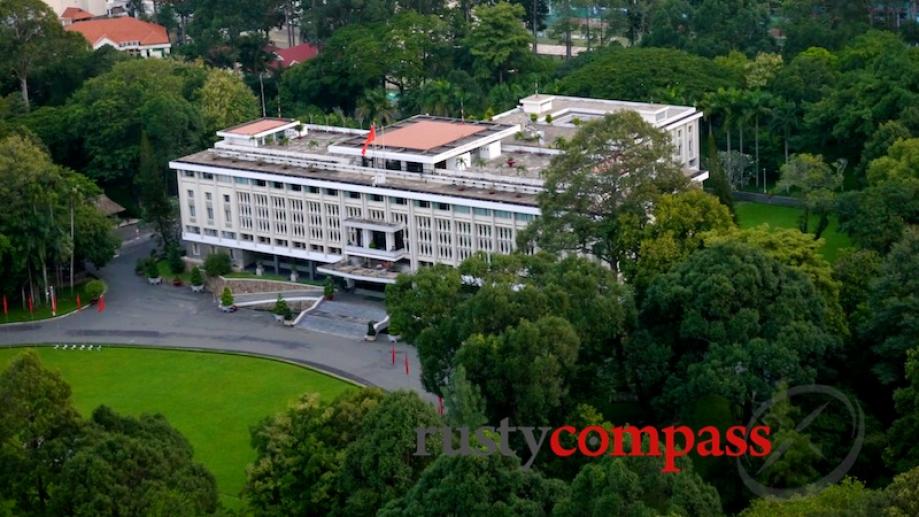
[[101, 306], [371, 136]]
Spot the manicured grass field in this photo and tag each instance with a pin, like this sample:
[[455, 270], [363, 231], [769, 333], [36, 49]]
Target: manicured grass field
[[213, 399], [65, 303], [755, 214]]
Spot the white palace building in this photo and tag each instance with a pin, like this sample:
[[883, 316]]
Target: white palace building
[[306, 200]]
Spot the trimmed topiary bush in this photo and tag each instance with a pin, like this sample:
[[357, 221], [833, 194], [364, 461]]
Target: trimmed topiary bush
[[174, 258], [94, 289], [226, 297], [151, 269], [196, 277]]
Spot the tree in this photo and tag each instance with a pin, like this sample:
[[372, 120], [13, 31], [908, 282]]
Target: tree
[[818, 183], [218, 264], [300, 453], [900, 454], [133, 466], [679, 222], [636, 74], [225, 101], [29, 35], [636, 486], [598, 190], [728, 321], [815, 23], [37, 427], [849, 496], [524, 372], [416, 302], [468, 485], [158, 208], [497, 40], [892, 324], [463, 401], [378, 464], [37, 199], [718, 181], [900, 163], [902, 495]]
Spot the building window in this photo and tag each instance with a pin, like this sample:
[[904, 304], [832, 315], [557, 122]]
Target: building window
[[416, 167], [228, 235], [299, 245], [483, 238], [315, 219], [278, 185], [280, 242], [503, 214], [232, 253], [333, 223], [463, 240], [458, 209], [264, 240], [354, 212], [376, 198], [354, 195], [397, 200], [423, 230], [192, 229], [505, 238], [442, 206], [295, 188], [331, 192], [245, 210], [260, 183], [245, 236], [189, 174], [316, 248], [444, 240], [209, 206], [482, 211], [207, 176], [334, 251], [376, 215], [262, 214], [195, 250], [241, 181], [422, 204], [297, 217], [210, 232], [524, 217], [313, 190], [190, 195], [279, 214]]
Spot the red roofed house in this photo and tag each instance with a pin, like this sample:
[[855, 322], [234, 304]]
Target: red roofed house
[[127, 34], [74, 14], [288, 57]]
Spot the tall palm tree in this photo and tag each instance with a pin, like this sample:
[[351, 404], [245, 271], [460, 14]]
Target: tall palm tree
[[784, 118], [760, 106]]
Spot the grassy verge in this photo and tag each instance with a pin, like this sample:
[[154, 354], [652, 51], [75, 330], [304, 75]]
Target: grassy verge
[[212, 398], [168, 275], [755, 214], [66, 303]]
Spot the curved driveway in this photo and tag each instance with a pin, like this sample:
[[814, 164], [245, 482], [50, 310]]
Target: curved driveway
[[139, 314]]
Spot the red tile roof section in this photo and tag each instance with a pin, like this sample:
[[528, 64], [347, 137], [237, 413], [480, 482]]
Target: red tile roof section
[[424, 135], [75, 14], [296, 54], [254, 128], [120, 30]]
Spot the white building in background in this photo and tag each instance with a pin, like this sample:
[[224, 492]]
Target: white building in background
[[94, 7], [303, 198]]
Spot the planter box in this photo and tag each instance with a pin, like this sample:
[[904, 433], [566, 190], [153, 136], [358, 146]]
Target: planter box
[[155, 281], [231, 308], [278, 317], [370, 338], [288, 323], [197, 288]]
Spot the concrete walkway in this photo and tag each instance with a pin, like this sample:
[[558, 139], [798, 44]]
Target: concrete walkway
[[140, 314], [346, 317]]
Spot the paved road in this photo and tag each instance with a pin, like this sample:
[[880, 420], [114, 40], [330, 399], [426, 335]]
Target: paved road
[[140, 314]]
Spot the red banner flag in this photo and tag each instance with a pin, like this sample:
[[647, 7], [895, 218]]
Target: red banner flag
[[78, 302], [101, 306], [394, 353], [30, 305], [5, 306], [406, 364], [371, 136], [440, 405], [53, 305]]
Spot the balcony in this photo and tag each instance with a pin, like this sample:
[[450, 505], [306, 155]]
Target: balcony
[[375, 253]]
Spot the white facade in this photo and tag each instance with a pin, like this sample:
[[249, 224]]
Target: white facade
[[278, 191], [94, 7]]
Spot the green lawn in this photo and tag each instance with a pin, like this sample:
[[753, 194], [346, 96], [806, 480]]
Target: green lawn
[[65, 303], [754, 214], [212, 398], [167, 275]]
